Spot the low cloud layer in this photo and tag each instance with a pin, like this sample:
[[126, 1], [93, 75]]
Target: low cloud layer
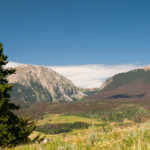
[[88, 76], [91, 76]]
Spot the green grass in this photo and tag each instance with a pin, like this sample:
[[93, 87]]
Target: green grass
[[136, 137], [125, 111], [60, 118], [115, 125]]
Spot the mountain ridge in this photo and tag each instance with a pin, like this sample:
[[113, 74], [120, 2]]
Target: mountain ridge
[[132, 84], [38, 84]]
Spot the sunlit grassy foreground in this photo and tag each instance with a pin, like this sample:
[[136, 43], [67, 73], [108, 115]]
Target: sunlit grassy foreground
[[125, 137]]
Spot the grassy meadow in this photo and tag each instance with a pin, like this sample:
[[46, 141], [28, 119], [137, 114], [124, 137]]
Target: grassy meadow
[[91, 125], [126, 137]]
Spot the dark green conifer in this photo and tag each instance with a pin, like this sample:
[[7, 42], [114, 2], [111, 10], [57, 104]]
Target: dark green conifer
[[13, 129]]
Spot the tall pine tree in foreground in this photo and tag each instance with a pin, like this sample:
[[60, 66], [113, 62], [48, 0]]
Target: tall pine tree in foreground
[[13, 129]]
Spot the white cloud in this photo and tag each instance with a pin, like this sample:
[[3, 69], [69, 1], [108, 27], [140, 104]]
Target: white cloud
[[88, 76], [91, 76]]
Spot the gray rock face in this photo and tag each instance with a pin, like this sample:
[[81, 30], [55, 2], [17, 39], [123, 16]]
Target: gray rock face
[[41, 84]]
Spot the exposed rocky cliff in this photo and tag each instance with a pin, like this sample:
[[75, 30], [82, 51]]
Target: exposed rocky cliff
[[40, 84]]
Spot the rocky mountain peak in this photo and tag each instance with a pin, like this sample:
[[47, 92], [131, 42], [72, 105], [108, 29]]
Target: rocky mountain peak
[[38, 84]]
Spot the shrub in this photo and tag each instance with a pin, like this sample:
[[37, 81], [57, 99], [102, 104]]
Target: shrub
[[61, 127]]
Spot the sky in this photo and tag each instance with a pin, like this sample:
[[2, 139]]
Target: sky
[[76, 32]]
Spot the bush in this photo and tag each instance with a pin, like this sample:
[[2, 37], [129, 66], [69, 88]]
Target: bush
[[61, 127]]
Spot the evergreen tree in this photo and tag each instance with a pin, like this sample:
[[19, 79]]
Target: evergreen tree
[[13, 129]]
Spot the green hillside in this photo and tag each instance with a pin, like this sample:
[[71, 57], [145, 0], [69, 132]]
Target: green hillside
[[30, 94], [90, 91], [124, 78]]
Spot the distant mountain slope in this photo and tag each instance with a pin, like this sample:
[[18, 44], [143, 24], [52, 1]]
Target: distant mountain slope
[[124, 78], [132, 84], [90, 91], [40, 84]]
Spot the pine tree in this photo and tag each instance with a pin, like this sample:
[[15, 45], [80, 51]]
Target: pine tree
[[13, 129]]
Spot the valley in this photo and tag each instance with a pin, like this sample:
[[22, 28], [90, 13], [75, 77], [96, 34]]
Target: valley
[[116, 124], [115, 116]]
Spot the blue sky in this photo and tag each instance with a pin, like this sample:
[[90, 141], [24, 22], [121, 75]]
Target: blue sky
[[76, 32]]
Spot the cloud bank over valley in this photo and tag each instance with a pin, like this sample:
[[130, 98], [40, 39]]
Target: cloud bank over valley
[[91, 76], [88, 76]]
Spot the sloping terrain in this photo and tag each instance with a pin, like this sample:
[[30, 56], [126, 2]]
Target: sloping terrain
[[40, 84], [133, 84], [113, 119]]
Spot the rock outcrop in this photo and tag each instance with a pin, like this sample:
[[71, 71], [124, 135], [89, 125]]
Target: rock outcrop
[[41, 84]]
